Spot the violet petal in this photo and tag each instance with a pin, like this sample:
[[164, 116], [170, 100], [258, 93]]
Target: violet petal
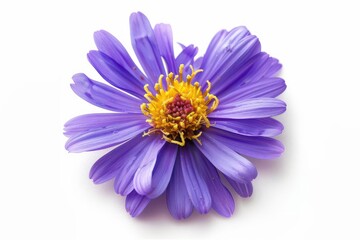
[[244, 189], [177, 197], [145, 46], [135, 203], [250, 108], [256, 147], [163, 169], [105, 137], [112, 47], [95, 121], [104, 96], [113, 163], [266, 127], [143, 175], [194, 182], [164, 38], [115, 74], [225, 159]]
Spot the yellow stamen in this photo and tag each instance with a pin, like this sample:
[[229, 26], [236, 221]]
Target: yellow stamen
[[179, 110]]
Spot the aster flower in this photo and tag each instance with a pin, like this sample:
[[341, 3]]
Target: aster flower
[[184, 128]]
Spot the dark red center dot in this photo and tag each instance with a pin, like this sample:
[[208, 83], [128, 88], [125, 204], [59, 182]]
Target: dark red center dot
[[179, 107]]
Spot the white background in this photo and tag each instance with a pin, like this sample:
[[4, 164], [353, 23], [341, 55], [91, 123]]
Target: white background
[[311, 192]]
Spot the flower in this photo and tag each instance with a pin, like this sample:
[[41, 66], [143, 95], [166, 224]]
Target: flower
[[182, 129]]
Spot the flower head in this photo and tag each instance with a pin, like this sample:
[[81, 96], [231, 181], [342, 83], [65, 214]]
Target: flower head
[[182, 126]]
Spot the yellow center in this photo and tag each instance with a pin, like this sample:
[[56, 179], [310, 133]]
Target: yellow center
[[180, 109]]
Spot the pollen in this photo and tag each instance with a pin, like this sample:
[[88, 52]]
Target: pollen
[[178, 109]]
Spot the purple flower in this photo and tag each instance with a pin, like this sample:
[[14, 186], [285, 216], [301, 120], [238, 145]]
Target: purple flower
[[184, 128]]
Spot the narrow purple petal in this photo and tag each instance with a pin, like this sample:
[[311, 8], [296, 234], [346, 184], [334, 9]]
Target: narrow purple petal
[[198, 62], [124, 180], [225, 159], [250, 108], [213, 47], [106, 137], [237, 75], [260, 68], [236, 56], [256, 147], [143, 175], [177, 197], [210, 55], [122, 157], [112, 47], [194, 182], [104, 96], [91, 122], [266, 127], [145, 46], [266, 87], [229, 51], [244, 189], [115, 74], [164, 38], [274, 68], [135, 203], [163, 169], [222, 200], [186, 56], [182, 46], [240, 74]]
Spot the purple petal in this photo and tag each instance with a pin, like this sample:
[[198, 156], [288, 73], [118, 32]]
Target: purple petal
[[211, 53], [177, 197], [274, 68], [118, 161], [135, 203], [195, 184], [266, 127], [145, 46], [112, 47], [186, 56], [91, 122], [198, 62], [164, 38], [222, 200], [163, 169], [106, 137], [115, 74], [256, 147], [250, 108], [104, 96], [244, 189], [236, 57], [262, 68], [240, 74], [225, 159], [231, 52], [213, 47], [143, 175], [236, 75], [266, 87], [124, 180], [182, 46]]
